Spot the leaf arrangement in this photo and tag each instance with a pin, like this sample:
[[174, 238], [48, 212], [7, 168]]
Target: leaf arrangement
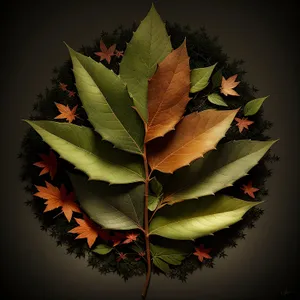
[[151, 171]]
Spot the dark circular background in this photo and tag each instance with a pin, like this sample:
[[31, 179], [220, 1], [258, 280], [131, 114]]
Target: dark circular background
[[264, 35]]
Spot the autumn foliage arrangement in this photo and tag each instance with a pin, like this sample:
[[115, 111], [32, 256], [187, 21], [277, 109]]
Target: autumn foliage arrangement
[[150, 179]]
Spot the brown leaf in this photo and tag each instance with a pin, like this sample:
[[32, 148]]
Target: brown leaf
[[63, 86], [249, 189], [86, 230], [106, 53], [48, 163], [243, 123], [119, 53], [66, 112], [131, 237], [168, 93], [228, 85], [58, 198], [195, 134]]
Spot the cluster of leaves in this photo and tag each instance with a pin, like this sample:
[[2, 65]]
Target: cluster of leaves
[[193, 105]]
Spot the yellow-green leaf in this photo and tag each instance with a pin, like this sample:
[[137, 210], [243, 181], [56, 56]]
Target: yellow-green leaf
[[193, 219], [107, 103], [216, 99], [84, 148], [253, 106], [200, 78], [149, 45]]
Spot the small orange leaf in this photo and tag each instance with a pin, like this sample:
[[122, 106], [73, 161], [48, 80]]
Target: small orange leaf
[[243, 123], [228, 85], [195, 134], [86, 230], [66, 112], [63, 86], [58, 198], [48, 163], [106, 53], [71, 94], [249, 189], [168, 93], [130, 237], [202, 253]]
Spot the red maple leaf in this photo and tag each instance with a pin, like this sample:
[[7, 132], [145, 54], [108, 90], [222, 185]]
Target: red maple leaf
[[63, 86], [122, 256], [71, 94], [58, 198], [202, 253], [243, 123], [66, 112], [249, 189], [119, 53], [86, 230], [48, 163], [106, 53], [141, 254], [130, 237]]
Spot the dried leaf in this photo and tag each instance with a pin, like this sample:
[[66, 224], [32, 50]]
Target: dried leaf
[[66, 112], [48, 163], [58, 198], [63, 86], [195, 134], [119, 53], [243, 123], [249, 189], [228, 85], [86, 230], [202, 253], [131, 237], [106, 53], [168, 93]]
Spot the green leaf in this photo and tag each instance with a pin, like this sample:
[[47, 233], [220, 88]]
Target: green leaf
[[107, 103], [253, 106], [217, 79], [218, 169], [161, 264], [102, 249], [152, 202], [84, 148], [192, 219], [200, 78], [155, 186], [149, 45], [118, 207], [216, 99], [169, 255]]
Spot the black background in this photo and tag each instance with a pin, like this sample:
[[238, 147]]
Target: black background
[[264, 34]]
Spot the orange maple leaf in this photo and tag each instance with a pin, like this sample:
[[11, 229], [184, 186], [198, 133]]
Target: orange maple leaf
[[228, 85], [58, 198], [86, 230], [48, 163], [119, 53], [130, 237], [249, 189], [243, 123], [66, 112], [106, 53], [202, 253], [63, 86]]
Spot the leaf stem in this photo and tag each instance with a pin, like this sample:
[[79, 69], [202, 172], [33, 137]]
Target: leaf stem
[[146, 226]]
